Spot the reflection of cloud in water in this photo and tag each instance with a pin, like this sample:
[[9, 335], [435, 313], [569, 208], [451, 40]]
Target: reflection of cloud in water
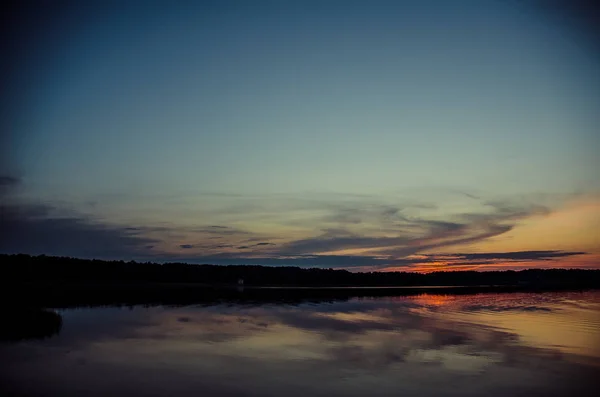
[[456, 358], [367, 346], [494, 308]]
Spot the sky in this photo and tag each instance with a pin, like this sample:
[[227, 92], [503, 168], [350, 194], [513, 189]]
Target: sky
[[365, 135]]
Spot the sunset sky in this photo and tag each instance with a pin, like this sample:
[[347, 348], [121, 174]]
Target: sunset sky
[[366, 135]]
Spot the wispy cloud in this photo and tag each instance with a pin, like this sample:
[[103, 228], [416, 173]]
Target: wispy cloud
[[35, 230], [416, 235], [219, 230], [518, 255], [44, 229], [358, 233], [8, 181]]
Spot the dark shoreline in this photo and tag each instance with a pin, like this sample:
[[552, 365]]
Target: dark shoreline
[[46, 281], [59, 295], [29, 309]]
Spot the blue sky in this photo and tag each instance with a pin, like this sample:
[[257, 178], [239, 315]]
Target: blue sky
[[240, 113]]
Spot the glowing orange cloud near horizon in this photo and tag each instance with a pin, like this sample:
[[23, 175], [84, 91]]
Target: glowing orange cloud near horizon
[[574, 227]]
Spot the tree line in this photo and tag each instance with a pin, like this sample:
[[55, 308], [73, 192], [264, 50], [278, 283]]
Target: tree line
[[31, 269]]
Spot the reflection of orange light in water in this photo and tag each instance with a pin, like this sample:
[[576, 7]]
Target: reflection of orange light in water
[[432, 300]]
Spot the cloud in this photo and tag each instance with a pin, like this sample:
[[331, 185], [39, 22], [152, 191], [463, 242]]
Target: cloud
[[304, 261], [44, 229], [35, 230], [208, 232], [220, 230], [256, 239], [263, 244], [398, 245], [393, 236], [401, 245], [518, 255], [364, 213], [8, 181], [326, 243], [414, 235], [242, 247], [370, 263]]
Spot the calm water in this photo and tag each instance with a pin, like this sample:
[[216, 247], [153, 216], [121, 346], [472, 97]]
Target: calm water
[[426, 345]]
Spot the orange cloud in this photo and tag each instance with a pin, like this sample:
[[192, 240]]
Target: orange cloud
[[575, 226]]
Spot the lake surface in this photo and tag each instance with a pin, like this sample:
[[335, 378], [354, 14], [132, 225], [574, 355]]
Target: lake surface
[[514, 344]]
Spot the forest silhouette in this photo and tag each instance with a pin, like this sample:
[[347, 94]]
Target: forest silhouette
[[25, 268], [49, 281]]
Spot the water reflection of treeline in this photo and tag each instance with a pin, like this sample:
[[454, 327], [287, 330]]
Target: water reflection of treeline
[[19, 323]]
